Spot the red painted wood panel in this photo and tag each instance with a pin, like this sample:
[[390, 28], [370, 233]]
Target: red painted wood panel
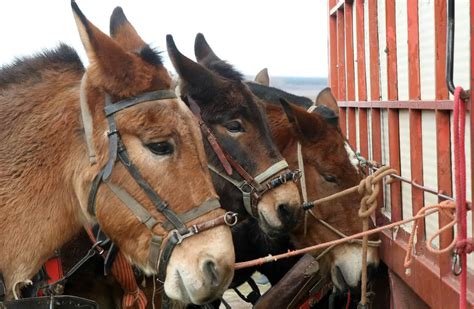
[[360, 33], [341, 69], [333, 78], [393, 117], [443, 128], [350, 73], [374, 51], [471, 104]]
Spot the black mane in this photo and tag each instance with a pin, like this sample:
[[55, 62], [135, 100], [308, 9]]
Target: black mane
[[30, 68], [151, 55], [223, 68]]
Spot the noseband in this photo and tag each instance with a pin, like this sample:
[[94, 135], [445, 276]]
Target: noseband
[[175, 224], [252, 188]]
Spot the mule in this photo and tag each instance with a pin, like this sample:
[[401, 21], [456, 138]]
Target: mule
[[47, 176], [255, 180], [330, 166]]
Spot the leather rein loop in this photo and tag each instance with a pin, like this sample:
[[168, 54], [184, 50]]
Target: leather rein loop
[[161, 247], [252, 188]]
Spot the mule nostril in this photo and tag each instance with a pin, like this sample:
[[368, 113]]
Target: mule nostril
[[210, 270], [284, 212]]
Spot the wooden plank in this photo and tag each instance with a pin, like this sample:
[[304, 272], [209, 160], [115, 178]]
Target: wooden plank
[[414, 88], [341, 68], [414, 93], [418, 105], [374, 53], [443, 128], [333, 54], [470, 105], [361, 70], [335, 7], [393, 117], [350, 74]]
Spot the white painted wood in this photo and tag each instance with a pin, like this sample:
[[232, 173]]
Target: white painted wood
[[461, 44], [405, 163], [367, 48], [357, 145], [430, 163], [427, 49], [385, 158], [382, 48], [402, 49]]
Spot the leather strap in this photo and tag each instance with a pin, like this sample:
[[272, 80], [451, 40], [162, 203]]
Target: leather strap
[[144, 97]]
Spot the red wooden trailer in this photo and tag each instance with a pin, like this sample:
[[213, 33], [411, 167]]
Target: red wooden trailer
[[387, 67]]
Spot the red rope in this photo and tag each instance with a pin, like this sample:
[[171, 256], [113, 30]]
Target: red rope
[[463, 244], [348, 303]]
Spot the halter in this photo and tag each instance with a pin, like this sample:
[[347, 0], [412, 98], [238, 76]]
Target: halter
[[307, 206], [175, 224], [252, 188]]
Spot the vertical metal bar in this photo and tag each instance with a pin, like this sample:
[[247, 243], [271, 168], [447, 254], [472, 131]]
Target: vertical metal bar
[[393, 117], [361, 78]]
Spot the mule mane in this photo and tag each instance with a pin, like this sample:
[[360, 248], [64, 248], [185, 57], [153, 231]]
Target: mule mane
[[223, 68], [30, 68]]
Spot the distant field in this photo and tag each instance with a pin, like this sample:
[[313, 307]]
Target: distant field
[[304, 86]]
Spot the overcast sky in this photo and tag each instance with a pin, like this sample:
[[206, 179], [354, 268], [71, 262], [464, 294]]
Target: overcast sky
[[288, 37]]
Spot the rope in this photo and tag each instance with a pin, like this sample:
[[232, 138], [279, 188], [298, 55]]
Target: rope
[[123, 273], [463, 244], [290, 253]]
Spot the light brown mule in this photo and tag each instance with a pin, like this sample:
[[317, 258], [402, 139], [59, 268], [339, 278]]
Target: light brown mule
[[46, 176]]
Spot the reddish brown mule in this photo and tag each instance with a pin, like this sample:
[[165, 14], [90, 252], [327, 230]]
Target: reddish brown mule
[[330, 165], [46, 176]]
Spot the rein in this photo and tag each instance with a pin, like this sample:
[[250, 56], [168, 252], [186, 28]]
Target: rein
[[252, 188], [161, 246]]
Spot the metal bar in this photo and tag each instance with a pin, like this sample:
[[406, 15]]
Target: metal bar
[[419, 105], [440, 49], [450, 47]]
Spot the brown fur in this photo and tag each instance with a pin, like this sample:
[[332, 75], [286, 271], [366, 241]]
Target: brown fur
[[45, 174]]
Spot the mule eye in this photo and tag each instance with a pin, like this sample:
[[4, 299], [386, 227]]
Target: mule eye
[[161, 148], [234, 126], [330, 178]]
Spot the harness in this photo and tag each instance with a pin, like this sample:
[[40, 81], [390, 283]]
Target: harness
[[161, 246], [252, 188]]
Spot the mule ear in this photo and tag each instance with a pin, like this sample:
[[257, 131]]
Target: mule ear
[[306, 126], [202, 50], [198, 80], [262, 77], [122, 31], [326, 98], [111, 67]]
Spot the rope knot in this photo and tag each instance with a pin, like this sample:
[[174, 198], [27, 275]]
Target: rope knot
[[465, 246]]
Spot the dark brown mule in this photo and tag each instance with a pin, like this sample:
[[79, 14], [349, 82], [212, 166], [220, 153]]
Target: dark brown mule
[[330, 166], [236, 118], [46, 175]]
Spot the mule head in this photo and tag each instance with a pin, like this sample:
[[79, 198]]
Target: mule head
[[330, 166], [238, 121], [163, 143]]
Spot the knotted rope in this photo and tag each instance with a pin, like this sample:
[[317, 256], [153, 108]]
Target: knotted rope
[[123, 273]]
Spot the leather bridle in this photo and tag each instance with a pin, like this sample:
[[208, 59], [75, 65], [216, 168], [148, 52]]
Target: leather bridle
[[307, 210], [252, 188], [161, 246]]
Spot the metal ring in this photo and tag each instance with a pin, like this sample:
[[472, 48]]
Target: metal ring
[[233, 216]]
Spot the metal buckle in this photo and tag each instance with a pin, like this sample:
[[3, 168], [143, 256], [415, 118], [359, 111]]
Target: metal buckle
[[180, 237], [246, 187]]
